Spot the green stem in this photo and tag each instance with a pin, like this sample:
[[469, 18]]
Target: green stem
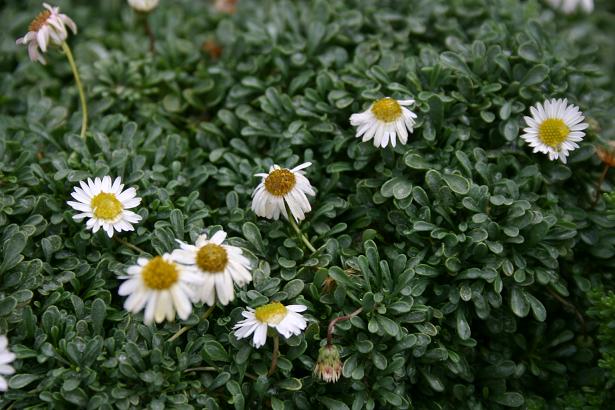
[[293, 223], [84, 107], [276, 353], [184, 329]]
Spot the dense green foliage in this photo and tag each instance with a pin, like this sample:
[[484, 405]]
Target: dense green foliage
[[472, 257]]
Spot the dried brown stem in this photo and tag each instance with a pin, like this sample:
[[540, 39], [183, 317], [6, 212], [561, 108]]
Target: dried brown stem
[[333, 322], [276, 353], [571, 307]]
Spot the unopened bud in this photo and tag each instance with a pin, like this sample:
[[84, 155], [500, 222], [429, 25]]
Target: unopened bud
[[329, 365]]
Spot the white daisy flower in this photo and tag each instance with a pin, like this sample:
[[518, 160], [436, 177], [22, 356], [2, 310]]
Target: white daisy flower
[[285, 319], [106, 205], [282, 186], [384, 121], [143, 6], [49, 27], [161, 286], [6, 357], [570, 6], [554, 128], [219, 265]]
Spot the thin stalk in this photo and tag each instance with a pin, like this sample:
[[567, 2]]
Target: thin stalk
[[276, 353], [599, 184], [149, 32], [333, 322], [293, 223], [184, 329], [570, 306], [84, 107], [128, 244]]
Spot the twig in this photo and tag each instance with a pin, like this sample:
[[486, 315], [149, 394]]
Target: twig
[[571, 307], [128, 244], [333, 322], [184, 329], [276, 353]]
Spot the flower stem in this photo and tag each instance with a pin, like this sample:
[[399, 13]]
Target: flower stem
[[184, 329], [333, 322], [128, 244], [293, 223], [276, 353], [149, 32], [84, 107]]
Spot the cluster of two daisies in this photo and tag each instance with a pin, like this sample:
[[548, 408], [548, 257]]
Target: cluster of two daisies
[[205, 271], [555, 127]]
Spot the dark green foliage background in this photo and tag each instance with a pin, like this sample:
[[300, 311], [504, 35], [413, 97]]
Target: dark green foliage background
[[466, 251]]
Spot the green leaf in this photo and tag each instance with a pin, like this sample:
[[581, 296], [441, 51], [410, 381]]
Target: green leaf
[[457, 184], [387, 325], [214, 351], [291, 383], [519, 303], [509, 399], [11, 252], [19, 381], [98, 314], [333, 404], [454, 61], [536, 75], [293, 288], [538, 309], [463, 328], [7, 305], [398, 187], [253, 235]]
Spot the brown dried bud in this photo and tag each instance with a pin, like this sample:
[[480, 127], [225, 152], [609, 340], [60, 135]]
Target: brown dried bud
[[606, 153], [212, 48], [226, 6]]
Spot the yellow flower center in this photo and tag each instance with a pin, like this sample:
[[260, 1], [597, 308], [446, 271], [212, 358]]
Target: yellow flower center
[[39, 20], [386, 109], [159, 274], [279, 182], [212, 258], [272, 313], [553, 132], [106, 206]]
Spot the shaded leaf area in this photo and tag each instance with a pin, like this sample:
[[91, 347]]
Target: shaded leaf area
[[470, 256]]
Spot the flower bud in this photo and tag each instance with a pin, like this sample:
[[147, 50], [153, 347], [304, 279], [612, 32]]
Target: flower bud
[[328, 366]]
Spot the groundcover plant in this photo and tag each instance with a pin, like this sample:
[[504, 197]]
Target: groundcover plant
[[337, 204]]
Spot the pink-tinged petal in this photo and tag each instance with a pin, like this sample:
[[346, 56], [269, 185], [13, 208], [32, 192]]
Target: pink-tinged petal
[[69, 22], [42, 37]]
